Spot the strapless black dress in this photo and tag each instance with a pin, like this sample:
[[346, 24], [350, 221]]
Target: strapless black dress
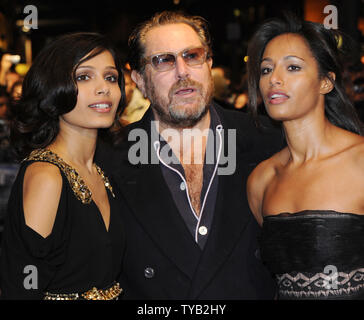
[[315, 254]]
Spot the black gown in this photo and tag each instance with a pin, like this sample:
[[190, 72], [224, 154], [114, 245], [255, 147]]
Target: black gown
[[78, 255], [315, 254]]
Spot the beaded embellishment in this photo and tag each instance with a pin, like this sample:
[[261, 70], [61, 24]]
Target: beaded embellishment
[[94, 294], [79, 188]]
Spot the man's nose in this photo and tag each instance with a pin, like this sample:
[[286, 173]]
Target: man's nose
[[182, 69]]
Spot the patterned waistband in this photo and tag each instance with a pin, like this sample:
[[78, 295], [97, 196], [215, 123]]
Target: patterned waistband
[[111, 293], [322, 285]]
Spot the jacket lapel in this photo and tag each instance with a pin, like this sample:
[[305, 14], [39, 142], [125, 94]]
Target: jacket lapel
[[231, 216], [230, 219], [149, 199]]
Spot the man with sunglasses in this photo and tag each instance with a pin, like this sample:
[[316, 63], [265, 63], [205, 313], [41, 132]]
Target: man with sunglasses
[[189, 231]]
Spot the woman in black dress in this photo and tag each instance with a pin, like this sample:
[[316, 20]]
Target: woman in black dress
[[63, 237], [309, 196]]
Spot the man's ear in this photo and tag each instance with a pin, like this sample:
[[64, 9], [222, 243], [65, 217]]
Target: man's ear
[[327, 83], [139, 80]]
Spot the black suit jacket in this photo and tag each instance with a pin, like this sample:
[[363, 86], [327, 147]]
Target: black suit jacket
[[162, 260]]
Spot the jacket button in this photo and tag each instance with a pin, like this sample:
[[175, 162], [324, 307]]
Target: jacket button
[[149, 272], [202, 230]]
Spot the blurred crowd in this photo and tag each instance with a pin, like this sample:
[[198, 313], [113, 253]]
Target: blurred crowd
[[354, 79], [230, 94], [11, 79]]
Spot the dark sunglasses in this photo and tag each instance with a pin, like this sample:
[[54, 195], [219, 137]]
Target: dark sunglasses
[[167, 60]]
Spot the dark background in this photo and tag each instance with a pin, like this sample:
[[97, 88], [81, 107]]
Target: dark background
[[231, 22]]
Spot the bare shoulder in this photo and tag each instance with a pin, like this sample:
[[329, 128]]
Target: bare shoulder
[[260, 178], [356, 151], [41, 193], [42, 176], [265, 170]]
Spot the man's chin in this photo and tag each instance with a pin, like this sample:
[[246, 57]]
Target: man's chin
[[184, 123], [183, 117]]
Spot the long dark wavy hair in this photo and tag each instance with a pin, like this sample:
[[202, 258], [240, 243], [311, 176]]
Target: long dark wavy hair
[[327, 51], [50, 90]]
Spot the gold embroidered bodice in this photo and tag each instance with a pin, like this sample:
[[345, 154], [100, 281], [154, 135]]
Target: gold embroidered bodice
[[79, 188]]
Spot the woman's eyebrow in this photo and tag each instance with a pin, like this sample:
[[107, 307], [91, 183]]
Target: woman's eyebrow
[[285, 58], [91, 67]]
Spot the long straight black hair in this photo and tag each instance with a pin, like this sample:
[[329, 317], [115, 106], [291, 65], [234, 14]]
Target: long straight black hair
[[325, 48]]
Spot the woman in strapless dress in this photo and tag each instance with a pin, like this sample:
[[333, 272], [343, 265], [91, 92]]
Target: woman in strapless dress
[[308, 197]]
